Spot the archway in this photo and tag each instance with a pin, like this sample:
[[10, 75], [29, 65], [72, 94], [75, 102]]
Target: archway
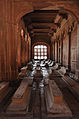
[[68, 11]]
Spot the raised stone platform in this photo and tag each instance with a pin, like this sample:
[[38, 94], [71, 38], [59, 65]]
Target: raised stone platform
[[56, 66], [63, 70], [46, 65], [54, 74], [30, 66], [72, 85], [56, 106], [38, 76], [24, 73], [20, 100], [55, 92], [24, 70], [29, 80], [4, 89], [51, 64]]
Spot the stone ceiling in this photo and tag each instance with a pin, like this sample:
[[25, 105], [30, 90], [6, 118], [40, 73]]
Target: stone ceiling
[[42, 24]]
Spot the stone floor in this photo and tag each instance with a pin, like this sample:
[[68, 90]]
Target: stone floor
[[37, 101]]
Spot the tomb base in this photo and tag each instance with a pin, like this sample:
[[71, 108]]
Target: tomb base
[[20, 101], [56, 106], [4, 90]]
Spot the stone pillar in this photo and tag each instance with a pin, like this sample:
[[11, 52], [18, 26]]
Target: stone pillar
[[7, 41], [57, 50], [69, 52], [51, 49], [26, 48], [54, 50], [18, 49], [77, 61], [22, 50], [29, 48], [61, 50]]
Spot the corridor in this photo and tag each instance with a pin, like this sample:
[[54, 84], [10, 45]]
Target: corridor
[[39, 59]]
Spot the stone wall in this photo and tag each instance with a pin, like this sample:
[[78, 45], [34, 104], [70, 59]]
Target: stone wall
[[66, 37], [9, 42], [23, 45], [56, 52]]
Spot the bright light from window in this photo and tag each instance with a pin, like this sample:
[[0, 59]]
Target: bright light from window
[[41, 46], [40, 52], [36, 47], [35, 57]]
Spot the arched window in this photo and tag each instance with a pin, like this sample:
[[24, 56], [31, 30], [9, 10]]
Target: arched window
[[40, 52]]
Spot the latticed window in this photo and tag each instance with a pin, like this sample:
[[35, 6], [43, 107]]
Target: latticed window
[[40, 52]]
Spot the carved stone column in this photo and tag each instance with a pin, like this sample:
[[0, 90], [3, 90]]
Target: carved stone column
[[51, 49], [23, 50], [57, 50], [77, 62], [54, 50], [69, 52], [61, 50]]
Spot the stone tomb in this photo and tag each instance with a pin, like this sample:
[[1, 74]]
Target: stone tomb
[[4, 90], [72, 85], [56, 106], [63, 70], [54, 74], [29, 80], [51, 64], [30, 66], [56, 66], [42, 63], [24, 70], [56, 94], [23, 73], [20, 99], [38, 76], [46, 65]]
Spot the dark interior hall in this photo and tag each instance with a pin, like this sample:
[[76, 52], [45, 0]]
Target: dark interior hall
[[39, 59]]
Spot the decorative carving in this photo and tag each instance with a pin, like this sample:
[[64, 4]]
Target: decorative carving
[[58, 24], [64, 15], [69, 29], [22, 32]]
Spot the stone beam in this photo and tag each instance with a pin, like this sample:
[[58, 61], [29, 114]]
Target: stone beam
[[54, 25], [40, 34], [40, 30]]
